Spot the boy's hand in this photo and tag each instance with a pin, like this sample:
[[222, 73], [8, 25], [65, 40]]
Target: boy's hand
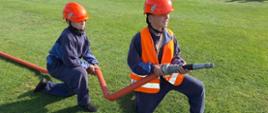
[[157, 70], [92, 69], [183, 71]]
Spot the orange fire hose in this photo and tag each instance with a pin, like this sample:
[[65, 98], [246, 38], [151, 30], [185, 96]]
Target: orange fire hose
[[122, 91], [23, 62], [102, 82]]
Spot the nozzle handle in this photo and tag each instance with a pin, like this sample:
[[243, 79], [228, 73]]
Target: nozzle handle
[[198, 66]]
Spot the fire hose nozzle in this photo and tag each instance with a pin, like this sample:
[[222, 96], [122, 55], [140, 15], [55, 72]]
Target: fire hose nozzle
[[175, 68]]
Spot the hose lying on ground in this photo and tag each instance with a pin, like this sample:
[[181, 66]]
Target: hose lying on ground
[[167, 69]]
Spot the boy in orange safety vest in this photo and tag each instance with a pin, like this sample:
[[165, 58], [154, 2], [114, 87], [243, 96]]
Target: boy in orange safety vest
[[153, 46]]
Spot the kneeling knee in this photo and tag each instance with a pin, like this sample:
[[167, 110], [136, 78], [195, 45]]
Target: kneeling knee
[[200, 87]]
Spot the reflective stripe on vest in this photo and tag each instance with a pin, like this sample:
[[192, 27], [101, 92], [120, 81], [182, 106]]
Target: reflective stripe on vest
[[150, 87], [149, 54], [175, 78]]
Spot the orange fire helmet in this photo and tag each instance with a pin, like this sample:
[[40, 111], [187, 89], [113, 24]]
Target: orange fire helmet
[[158, 7], [74, 12]]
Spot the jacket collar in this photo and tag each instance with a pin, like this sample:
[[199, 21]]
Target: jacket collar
[[75, 31], [167, 37]]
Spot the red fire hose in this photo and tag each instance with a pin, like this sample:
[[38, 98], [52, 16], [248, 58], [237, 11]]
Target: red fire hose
[[102, 82], [122, 91], [23, 62]]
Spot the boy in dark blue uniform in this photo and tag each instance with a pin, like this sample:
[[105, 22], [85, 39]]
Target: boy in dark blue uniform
[[70, 59]]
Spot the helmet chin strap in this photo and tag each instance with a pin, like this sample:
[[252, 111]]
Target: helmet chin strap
[[155, 30], [80, 30]]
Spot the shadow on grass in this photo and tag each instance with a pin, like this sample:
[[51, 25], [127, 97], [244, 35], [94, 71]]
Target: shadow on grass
[[73, 109], [127, 103], [30, 102], [245, 1]]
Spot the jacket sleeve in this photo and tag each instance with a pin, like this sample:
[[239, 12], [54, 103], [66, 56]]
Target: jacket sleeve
[[69, 54], [134, 58], [177, 59], [88, 56]]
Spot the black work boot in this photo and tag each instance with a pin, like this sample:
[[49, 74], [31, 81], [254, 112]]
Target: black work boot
[[89, 108], [41, 85]]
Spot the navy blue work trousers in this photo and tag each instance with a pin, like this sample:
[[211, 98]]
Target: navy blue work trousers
[[191, 87], [74, 81]]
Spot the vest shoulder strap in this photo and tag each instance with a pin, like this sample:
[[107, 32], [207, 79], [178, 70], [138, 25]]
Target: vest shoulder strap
[[170, 32]]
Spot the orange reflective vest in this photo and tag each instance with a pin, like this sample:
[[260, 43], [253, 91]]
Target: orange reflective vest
[[149, 54]]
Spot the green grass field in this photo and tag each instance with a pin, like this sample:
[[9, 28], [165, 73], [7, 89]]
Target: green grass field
[[231, 34]]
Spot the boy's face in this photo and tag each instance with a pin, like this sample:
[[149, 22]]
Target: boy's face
[[79, 25], [159, 21]]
